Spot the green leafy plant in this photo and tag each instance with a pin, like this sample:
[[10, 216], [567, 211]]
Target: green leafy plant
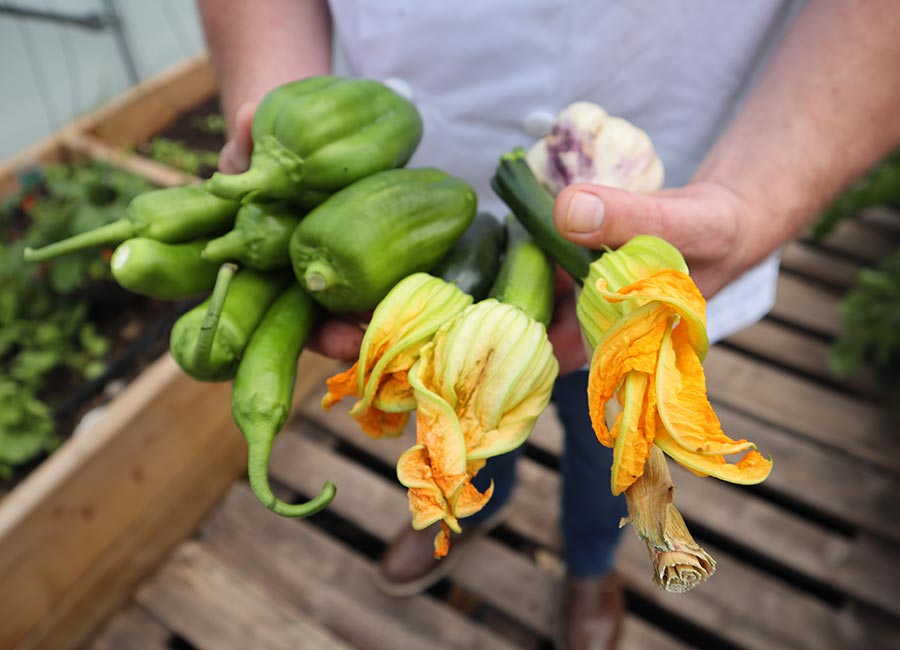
[[871, 314], [181, 156], [46, 334], [880, 186]]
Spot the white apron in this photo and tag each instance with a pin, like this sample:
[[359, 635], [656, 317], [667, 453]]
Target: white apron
[[489, 75]]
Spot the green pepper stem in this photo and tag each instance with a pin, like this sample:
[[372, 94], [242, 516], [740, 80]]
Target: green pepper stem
[[227, 248], [111, 233], [236, 186], [204, 343], [320, 275], [258, 473]]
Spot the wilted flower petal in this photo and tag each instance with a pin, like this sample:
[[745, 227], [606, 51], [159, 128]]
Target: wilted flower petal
[[480, 385], [404, 321]]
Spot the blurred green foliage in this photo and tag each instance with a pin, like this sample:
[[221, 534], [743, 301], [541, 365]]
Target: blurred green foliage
[[45, 327]]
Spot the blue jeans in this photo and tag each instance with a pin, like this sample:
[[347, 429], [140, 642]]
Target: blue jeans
[[590, 514]]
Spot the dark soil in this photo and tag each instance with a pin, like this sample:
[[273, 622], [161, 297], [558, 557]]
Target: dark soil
[[188, 131]]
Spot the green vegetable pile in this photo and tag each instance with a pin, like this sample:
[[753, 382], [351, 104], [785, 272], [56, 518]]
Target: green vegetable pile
[[326, 219], [46, 334]]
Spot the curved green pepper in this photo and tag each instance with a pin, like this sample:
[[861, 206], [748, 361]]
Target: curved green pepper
[[260, 237], [209, 340], [164, 271], [264, 386], [314, 136], [171, 215]]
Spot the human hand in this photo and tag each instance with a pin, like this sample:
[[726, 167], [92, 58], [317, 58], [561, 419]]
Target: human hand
[[235, 155], [564, 331], [719, 232]]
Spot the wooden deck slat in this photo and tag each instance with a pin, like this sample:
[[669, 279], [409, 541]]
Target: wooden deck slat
[[808, 305], [804, 472], [504, 579], [131, 629], [320, 575], [785, 617], [809, 260], [823, 414], [211, 607], [860, 240], [798, 351]]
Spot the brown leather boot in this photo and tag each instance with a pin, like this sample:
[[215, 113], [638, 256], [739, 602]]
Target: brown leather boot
[[408, 566], [591, 614]]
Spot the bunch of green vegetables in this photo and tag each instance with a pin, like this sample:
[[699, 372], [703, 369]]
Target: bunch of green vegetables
[[45, 327], [325, 220]]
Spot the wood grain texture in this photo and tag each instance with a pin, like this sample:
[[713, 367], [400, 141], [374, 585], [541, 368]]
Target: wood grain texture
[[78, 533], [318, 574], [210, 606], [825, 415], [132, 628]]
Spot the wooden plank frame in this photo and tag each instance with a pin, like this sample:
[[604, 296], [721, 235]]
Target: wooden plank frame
[[89, 523]]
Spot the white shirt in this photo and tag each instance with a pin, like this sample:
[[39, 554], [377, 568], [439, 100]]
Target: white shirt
[[487, 74]]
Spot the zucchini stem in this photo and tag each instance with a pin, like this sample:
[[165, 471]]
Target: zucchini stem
[[516, 184]]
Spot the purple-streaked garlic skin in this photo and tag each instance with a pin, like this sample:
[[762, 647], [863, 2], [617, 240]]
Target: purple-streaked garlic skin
[[587, 145]]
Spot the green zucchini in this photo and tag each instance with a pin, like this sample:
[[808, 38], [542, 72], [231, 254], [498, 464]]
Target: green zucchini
[[526, 275], [351, 250], [473, 261], [515, 183], [314, 136]]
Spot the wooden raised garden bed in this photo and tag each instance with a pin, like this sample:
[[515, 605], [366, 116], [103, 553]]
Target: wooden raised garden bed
[[89, 522]]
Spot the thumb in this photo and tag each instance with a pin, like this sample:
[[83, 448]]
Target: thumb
[[235, 155], [596, 216]]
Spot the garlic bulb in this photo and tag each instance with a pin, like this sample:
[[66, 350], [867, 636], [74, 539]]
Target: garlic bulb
[[587, 145]]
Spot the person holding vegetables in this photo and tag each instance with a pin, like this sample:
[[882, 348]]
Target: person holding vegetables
[[761, 113]]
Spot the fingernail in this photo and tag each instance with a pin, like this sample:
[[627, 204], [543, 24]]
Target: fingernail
[[585, 213]]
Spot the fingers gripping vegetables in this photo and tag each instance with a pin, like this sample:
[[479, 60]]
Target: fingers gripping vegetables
[[472, 263], [209, 340], [263, 386], [352, 249], [317, 135], [163, 271], [171, 215], [260, 237]]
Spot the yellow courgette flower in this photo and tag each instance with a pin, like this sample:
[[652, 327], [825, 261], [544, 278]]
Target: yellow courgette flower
[[402, 323], [646, 321], [480, 385]]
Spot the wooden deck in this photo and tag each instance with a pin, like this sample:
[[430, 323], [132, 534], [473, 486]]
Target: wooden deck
[[809, 560]]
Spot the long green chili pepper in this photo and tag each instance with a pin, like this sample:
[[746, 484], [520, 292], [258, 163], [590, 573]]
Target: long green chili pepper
[[260, 238], [314, 136], [171, 215], [263, 387], [209, 340], [164, 271]]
